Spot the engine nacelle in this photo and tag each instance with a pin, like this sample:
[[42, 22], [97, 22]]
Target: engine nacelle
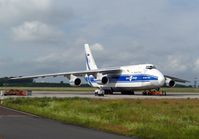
[[103, 80], [75, 81], [170, 83]]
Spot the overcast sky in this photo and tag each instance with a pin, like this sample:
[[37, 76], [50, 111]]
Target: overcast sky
[[44, 36]]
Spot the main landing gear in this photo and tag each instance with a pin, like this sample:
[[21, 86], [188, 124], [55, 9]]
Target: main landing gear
[[154, 92], [99, 92], [127, 93]]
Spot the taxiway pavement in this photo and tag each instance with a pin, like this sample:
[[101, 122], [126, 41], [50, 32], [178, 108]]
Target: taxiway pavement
[[138, 95], [18, 125]]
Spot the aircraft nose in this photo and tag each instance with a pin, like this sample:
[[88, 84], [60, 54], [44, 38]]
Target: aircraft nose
[[161, 78]]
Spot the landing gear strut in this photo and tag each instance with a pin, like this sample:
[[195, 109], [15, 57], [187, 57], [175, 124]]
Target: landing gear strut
[[99, 92], [108, 92]]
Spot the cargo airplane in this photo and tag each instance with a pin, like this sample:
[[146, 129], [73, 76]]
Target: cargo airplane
[[124, 79]]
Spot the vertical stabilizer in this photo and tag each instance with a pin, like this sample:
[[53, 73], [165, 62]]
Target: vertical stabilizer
[[90, 62]]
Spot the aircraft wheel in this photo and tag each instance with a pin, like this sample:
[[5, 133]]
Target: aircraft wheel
[[108, 92], [164, 93], [127, 92], [144, 93], [99, 92]]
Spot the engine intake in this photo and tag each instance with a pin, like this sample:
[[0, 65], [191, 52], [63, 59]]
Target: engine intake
[[75, 81], [103, 80], [170, 82]]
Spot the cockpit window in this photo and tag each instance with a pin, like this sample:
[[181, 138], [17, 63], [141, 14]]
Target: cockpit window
[[150, 67]]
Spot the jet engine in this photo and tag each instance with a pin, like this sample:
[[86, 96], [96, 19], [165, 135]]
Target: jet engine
[[75, 81], [170, 83], [103, 79]]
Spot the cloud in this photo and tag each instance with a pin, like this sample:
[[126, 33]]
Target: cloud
[[72, 58], [14, 12], [164, 33], [63, 59], [196, 65], [97, 47], [176, 64], [35, 31]]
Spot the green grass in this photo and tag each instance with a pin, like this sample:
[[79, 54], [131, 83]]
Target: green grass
[[151, 119]]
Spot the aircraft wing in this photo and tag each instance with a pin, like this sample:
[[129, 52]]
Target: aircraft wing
[[75, 73], [176, 79]]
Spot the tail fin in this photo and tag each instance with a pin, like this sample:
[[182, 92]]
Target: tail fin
[[90, 62]]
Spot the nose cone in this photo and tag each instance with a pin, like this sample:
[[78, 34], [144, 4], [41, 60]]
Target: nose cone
[[161, 78]]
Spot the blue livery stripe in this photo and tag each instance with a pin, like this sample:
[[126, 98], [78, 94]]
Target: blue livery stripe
[[126, 78]]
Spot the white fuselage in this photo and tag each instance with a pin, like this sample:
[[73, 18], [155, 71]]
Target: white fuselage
[[134, 77]]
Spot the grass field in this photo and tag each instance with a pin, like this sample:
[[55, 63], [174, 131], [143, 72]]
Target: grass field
[[165, 119], [82, 89]]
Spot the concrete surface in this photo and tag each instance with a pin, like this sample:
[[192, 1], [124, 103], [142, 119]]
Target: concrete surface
[[138, 95], [17, 125]]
